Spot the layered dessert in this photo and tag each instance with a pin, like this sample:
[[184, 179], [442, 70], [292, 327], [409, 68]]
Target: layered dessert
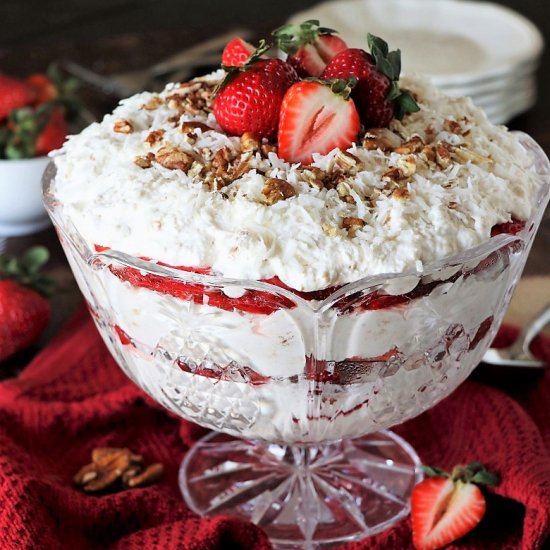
[[296, 259]]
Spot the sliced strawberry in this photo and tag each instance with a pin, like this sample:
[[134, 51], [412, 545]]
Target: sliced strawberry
[[317, 117], [309, 47], [511, 228], [236, 53], [447, 506]]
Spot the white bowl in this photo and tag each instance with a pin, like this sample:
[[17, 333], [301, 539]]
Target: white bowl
[[21, 208], [454, 42]]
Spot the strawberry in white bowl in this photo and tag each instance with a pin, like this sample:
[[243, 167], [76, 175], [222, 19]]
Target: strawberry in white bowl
[[34, 120]]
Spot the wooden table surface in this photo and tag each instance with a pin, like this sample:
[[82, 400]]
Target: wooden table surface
[[116, 35]]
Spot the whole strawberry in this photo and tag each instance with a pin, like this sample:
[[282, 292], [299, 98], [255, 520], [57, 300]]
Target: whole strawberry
[[250, 97], [13, 95], [377, 93], [308, 46], [24, 310], [444, 507]]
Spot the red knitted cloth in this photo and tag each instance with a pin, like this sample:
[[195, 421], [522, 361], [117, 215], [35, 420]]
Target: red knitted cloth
[[73, 398]]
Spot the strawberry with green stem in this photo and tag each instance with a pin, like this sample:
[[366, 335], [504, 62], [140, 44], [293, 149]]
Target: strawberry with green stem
[[250, 96], [377, 95], [444, 507], [308, 46], [24, 309]]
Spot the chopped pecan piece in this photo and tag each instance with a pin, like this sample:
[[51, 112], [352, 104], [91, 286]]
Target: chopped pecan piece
[[353, 224], [343, 192], [314, 176], [443, 155], [414, 145], [249, 142], [381, 138], [154, 136], [267, 148], [154, 103], [122, 126], [276, 189], [428, 153], [174, 158], [453, 127], [393, 174], [347, 162], [189, 126], [452, 205], [401, 193], [145, 161], [407, 165]]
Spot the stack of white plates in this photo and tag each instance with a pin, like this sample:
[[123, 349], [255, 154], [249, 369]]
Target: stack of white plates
[[477, 49]]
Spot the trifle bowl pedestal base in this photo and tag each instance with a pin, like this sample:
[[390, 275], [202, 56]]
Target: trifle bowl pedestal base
[[309, 496]]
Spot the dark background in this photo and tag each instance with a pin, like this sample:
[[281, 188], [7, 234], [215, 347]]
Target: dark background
[[119, 35]]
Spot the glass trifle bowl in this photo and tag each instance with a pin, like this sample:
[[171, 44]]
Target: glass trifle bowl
[[300, 388]]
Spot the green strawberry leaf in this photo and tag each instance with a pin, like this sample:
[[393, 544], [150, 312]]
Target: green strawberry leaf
[[432, 471], [389, 64], [26, 270], [34, 258], [290, 38]]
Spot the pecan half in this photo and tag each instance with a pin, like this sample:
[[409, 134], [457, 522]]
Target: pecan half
[[122, 126], [276, 189], [113, 468]]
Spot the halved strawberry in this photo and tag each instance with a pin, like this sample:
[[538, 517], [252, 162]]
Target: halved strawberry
[[236, 53], [317, 117], [309, 47], [444, 507]]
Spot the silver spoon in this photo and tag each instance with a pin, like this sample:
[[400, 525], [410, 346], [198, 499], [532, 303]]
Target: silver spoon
[[519, 354]]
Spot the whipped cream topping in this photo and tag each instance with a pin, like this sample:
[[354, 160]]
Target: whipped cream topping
[[174, 216]]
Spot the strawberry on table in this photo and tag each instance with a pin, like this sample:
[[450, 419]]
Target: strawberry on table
[[317, 117], [377, 94], [14, 94], [249, 98], [444, 507], [309, 47], [236, 53], [24, 310]]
